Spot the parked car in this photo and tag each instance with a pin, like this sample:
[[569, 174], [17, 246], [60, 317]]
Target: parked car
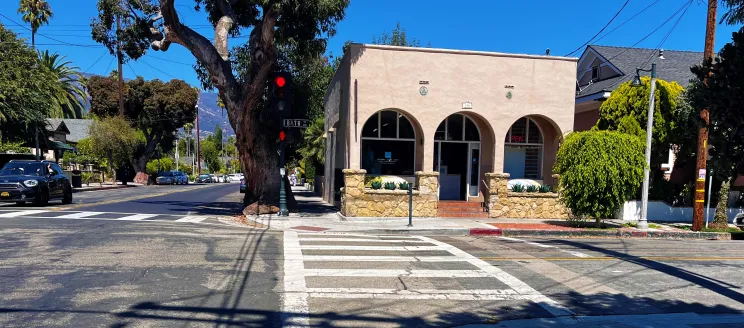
[[181, 178], [242, 186], [24, 181], [204, 178], [165, 178], [234, 177]]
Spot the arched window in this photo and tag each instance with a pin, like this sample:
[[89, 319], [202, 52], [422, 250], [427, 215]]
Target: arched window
[[388, 144], [523, 150]]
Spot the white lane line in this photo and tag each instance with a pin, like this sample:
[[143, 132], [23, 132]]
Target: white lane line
[[365, 241], [192, 218], [413, 291], [368, 258], [522, 288], [358, 236], [295, 309], [80, 215], [137, 217], [371, 248], [395, 273], [574, 253], [20, 213], [454, 297]]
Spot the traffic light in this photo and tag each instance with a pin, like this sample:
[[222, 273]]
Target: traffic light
[[282, 135], [281, 93]]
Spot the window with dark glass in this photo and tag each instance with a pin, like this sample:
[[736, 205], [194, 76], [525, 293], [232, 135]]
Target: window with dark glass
[[454, 127], [388, 144], [441, 130], [524, 144], [595, 72], [471, 131], [388, 124]]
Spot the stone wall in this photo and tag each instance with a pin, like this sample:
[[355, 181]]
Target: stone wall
[[505, 204], [358, 201]]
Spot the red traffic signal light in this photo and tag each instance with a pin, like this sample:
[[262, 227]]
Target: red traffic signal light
[[282, 135], [280, 81]]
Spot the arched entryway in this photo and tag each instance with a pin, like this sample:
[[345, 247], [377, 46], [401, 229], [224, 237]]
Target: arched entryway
[[388, 145], [524, 150], [458, 157]]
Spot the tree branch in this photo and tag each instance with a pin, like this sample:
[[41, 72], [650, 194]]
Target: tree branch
[[206, 53]]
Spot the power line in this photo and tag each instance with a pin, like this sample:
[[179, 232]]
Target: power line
[[626, 21], [96, 62], [170, 61], [684, 7], [600, 31], [109, 66], [655, 51], [41, 35], [130, 67], [157, 69]]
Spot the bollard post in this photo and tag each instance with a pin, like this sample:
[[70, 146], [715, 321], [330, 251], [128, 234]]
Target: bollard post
[[410, 205]]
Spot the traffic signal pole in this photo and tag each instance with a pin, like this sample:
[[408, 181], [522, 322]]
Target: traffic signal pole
[[281, 98], [702, 148], [283, 211]]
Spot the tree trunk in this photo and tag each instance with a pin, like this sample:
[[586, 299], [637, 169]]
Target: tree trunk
[[720, 220], [259, 156], [110, 157]]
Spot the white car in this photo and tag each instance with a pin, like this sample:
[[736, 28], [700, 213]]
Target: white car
[[234, 177]]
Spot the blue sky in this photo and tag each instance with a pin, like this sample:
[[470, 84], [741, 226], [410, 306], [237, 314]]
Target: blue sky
[[524, 26]]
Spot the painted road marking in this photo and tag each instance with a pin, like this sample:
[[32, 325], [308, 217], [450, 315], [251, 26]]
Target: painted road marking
[[20, 213], [192, 219], [80, 215], [365, 240], [137, 217], [371, 248], [574, 253], [295, 309], [545, 302], [295, 298], [620, 258], [370, 258], [395, 273]]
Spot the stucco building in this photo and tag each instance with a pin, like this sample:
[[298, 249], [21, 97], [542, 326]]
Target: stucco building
[[464, 114]]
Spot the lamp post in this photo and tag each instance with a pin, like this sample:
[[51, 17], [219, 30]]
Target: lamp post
[[643, 222]]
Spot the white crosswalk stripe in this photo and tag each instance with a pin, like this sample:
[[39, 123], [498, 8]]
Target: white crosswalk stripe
[[344, 266], [94, 215]]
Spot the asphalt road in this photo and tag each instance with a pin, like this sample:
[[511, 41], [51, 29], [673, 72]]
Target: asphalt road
[[88, 273], [78, 266], [209, 199]]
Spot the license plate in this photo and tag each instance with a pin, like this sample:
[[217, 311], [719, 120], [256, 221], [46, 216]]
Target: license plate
[[4, 194]]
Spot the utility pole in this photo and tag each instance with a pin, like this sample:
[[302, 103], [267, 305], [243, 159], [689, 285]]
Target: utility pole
[[198, 143], [702, 149], [121, 62]]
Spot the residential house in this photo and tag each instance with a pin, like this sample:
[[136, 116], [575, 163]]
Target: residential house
[[62, 135], [601, 69]]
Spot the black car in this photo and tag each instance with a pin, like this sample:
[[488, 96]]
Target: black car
[[204, 178], [24, 181]]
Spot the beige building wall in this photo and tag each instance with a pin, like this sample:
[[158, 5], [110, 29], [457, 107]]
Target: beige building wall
[[388, 77]]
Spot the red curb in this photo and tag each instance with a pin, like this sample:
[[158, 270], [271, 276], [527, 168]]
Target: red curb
[[486, 232]]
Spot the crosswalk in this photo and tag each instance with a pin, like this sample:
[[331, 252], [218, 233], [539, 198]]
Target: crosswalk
[[323, 268], [89, 215]]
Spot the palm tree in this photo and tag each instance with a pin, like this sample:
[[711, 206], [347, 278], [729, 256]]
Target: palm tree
[[735, 13], [36, 13], [70, 95], [314, 147]]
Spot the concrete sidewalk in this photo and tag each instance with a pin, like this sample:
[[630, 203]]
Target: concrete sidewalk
[[316, 215]]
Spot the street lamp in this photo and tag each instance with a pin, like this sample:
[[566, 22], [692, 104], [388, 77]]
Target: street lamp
[[643, 222]]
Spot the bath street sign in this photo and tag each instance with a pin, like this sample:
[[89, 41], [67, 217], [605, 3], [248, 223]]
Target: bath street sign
[[295, 123]]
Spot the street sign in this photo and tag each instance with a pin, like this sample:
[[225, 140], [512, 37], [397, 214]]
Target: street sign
[[295, 123]]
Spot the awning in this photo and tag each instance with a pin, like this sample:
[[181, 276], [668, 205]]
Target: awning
[[58, 145]]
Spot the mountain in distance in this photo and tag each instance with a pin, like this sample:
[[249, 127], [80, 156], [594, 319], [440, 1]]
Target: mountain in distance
[[211, 115]]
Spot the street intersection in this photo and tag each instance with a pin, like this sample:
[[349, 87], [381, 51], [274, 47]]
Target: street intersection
[[165, 257]]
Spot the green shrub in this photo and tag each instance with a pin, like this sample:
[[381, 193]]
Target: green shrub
[[531, 188], [518, 188], [375, 184], [86, 177], [545, 189], [599, 171], [403, 186], [390, 185], [369, 180]]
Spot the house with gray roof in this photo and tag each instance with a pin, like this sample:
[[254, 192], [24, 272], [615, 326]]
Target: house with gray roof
[[601, 69], [62, 135]]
